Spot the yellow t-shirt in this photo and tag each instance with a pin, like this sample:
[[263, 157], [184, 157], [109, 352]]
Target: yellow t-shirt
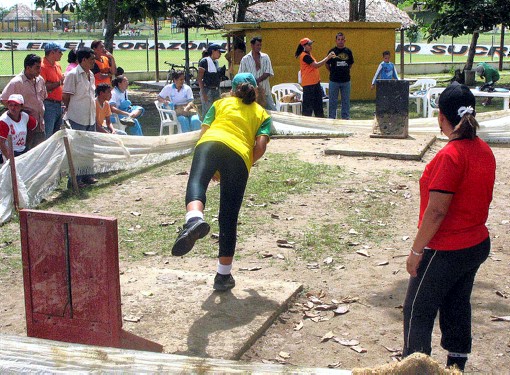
[[236, 125]]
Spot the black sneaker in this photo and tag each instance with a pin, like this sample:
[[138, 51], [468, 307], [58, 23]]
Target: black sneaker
[[223, 283], [192, 231]]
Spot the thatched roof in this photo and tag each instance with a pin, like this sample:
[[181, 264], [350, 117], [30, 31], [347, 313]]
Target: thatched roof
[[23, 13], [312, 11]]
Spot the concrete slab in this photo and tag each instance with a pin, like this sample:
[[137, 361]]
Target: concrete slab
[[410, 148], [179, 310]]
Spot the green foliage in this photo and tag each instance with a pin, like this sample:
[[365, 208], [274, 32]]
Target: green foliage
[[462, 17]]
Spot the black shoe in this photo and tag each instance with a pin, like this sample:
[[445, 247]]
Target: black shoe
[[128, 121], [223, 283], [192, 231]]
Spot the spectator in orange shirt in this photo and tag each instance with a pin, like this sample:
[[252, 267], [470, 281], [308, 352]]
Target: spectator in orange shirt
[[103, 110], [54, 80], [105, 66]]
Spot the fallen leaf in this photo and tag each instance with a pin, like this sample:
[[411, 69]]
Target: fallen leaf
[[254, 268], [353, 231], [328, 336], [149, 253], [385, 263], [275, 216], [495, 318], [133, 319], [147, 293], [358, 349], [350, 299], [215, 236], [280, 256], [315, 300], [352, 243], [504, 222], [309, 305], [5, 244], [312, 266], [502, 294], [138, 199], [289, 218], [391, 350], [346, 342], [134, 213], [291, 181], [328, 260], [284, 355], [334, 365], [298, 326], [405, 238], [167, 223], [183, 173], [311, 314], [285, 245], [325, 307], [341, 309], [363, 252], [266, 255]]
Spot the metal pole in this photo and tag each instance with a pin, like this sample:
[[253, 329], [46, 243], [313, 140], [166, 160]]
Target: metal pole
[[14, 181], [501, 46], [147, 53], [12, 56], [402, 56]]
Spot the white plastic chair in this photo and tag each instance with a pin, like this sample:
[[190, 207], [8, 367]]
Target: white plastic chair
[[432, 97], [420, 94], [325, 88], [168, 119], [117, 124], [283, 89]]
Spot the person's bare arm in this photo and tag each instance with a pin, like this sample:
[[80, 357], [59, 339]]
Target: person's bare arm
[[4, 148], [323, 61], [432, 218], [260, 147]]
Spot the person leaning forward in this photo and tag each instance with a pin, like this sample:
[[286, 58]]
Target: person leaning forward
[[54, 80], [31, 86]]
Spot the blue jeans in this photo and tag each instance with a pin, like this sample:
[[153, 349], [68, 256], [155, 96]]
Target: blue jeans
[[189, 124], [345, 91], [52, 117], [213, 94]]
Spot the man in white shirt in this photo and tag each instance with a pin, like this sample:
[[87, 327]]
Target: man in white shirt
[[259, 64], [78, 96]]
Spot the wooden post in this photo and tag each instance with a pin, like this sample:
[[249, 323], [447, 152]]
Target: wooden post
[[72, 172], [14, 180]]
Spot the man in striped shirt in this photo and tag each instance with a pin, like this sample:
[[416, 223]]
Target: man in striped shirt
[[259, 64]]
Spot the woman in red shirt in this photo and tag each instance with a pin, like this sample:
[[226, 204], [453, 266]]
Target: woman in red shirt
[[452, 241], [310, 78]]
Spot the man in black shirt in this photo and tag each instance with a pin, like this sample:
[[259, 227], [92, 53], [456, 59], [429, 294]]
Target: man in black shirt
[[209, 77], [340, 78]]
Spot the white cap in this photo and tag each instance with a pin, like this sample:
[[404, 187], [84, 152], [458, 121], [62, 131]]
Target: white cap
[[16, 98]]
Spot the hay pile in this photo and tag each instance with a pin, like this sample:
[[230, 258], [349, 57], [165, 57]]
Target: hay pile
[[416, 363]]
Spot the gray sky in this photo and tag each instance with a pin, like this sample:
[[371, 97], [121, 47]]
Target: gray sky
[[9, 3]]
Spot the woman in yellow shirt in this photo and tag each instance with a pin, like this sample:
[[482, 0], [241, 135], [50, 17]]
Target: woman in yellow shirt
[[235, 132]]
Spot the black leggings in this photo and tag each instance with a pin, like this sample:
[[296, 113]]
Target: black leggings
[[444, 282], [312, 100], [211, 157]]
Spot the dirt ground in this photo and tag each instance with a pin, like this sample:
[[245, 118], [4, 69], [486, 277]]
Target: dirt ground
[[369, 278]]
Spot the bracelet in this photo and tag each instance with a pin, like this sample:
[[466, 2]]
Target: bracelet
[[416, 253]]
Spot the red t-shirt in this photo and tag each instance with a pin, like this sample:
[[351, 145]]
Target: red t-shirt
[[465, 168]]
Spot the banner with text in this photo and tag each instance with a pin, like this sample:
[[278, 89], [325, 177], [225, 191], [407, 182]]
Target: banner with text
[[437, 49]]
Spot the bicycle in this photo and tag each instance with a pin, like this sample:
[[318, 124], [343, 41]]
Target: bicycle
[[192, 73]]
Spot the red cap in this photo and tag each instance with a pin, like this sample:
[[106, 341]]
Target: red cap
[[305, 41]]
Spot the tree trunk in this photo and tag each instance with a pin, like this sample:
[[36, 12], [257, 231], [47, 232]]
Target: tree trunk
[[186, 53], [353, 10], [362, 13], [110, 25], [241, 11], [471, 52]]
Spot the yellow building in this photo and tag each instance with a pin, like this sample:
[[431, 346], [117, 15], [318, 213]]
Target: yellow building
[[367, 40]]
